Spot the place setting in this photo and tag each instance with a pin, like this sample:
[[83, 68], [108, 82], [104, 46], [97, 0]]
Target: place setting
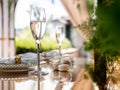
[[30, 64], [16, 68], [16, 63]]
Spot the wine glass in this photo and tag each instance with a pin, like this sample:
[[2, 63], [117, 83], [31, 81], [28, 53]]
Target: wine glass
[[37, 26], [63, 78], [60, 35]]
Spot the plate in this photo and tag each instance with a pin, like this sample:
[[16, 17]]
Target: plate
[[25, 63], [16, 70], [15, 76]]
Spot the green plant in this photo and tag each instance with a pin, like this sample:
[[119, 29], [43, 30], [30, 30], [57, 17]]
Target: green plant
[[90, 68], [105, 41]]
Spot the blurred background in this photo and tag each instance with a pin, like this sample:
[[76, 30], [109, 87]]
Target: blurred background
[[15, 35], [55, 11], [92, 29]]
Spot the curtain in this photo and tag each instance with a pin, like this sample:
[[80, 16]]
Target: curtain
[[78, 12], [7, 34]]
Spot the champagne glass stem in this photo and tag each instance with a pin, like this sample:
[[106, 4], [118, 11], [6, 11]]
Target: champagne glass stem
[[60, 53], [38, 83], [60, 50], [38, 66], [38, 57]]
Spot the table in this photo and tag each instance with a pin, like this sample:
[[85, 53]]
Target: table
[[55, 80]]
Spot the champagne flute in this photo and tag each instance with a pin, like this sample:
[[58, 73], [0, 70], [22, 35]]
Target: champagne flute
[[60, 35], [37, 26], [63, 79]]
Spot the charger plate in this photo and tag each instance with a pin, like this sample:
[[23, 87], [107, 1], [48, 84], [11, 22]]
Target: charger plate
[[15, 70], [25, 63], [15, 76]]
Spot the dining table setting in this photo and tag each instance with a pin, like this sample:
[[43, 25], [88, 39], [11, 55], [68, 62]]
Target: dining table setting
[[28, 62], [52, 70], [53, 73]]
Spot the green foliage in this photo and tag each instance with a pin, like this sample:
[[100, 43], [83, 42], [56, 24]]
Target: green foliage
[[25, 42], [90, 6], [105, 41], [49, 43], [108, 28], [90, 68], [106, 37]]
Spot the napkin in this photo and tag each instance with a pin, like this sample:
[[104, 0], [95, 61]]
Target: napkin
[[7, 61], [3, 61], [49, 54], [24, 60]]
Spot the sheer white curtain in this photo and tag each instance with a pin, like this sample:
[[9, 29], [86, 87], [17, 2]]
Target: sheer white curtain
[[0, 30], [7, 34], [78, 11]]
